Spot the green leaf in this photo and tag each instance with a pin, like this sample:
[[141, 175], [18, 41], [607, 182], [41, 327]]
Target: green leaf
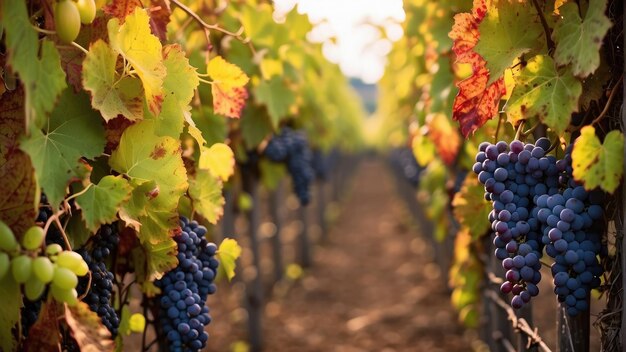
[[124, 327], [73, 132], [136, 43], [271, 173], [255, 126], [111, 94], [179, 86], [509, 30], [227, 254], [145, 157], [42, 77], [423, 149], [578, 41], [206, 193], [99, 204], [545, 92], [9, 311], [598, 164], [276, 96], [470, 207]]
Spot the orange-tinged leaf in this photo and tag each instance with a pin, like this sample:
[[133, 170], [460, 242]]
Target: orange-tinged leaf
[[229, 94], [121, 8], [160, 18], [477, 101], [46, 328], [230, 102], [87, 329], [444, 136]]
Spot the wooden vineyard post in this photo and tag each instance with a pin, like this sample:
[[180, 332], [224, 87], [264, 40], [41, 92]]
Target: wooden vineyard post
[[321, 209], [275, 202], [254, 289], [573, 332], [228, 220], [303, 237]]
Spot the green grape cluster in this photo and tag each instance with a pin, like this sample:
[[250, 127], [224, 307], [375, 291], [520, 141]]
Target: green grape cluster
[[69, 14], [36, 269]]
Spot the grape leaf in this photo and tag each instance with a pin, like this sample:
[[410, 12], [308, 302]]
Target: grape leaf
[[219, 160], [134, 41], [478, 100], [42, 77], [205, 191], [110, 94], [145, 157], [229, 94], [121, 8], [255, 126], [87, 329], [423, 149], [179, 87], [470, 207], [100, 202], [598, 164], [444, 136], [73, 131], [160, 18], [578, 41], [161, 257], [19, 192], [276, 96], [503, 38], [9, 313], [271, 173], [227, 254], [46, 328], [544, 91]]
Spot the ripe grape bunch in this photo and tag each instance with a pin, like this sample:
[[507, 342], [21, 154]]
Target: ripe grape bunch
[[513, 175], [99, 294], [572, 235], [182, 310], [292, 148]]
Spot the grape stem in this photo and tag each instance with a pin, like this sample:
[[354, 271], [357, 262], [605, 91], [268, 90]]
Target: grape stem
[[80, 298], [520, 127], [55, 217], [519, 323], [237, 35], [609, 101], [530, 130], [546, 27]]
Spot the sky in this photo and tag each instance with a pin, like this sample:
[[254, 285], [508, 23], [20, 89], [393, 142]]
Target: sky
[[359, 49]]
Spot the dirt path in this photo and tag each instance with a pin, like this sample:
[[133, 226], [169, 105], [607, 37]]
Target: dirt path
[[374, 287]]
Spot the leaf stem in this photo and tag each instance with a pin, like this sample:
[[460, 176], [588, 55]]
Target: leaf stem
[[500, 119], [546, 27], [205, 81], [44, 31], [237, 35], [530, 130], [79, 47], [520, 127]]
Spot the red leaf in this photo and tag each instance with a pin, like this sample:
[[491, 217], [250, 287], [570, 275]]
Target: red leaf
[[159, 17], [113, 131], [476, 103], [121, 8], [229, 102], [45, 334]]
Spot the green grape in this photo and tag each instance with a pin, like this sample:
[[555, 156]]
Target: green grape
[[66, 20], [33, 238], [52, 250], [73, 261], [33, 288], [69, 296], [7, 239], [43, 269], [21, 267], [64, 278], [4, 264], [87, 10]]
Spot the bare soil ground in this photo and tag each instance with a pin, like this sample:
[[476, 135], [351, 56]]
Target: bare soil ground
[[374, 286]]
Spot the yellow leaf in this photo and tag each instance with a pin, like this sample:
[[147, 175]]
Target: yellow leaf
[[228, 253], [225, 74], [137, 322], [270, 68], [135, 42], [219, 160]]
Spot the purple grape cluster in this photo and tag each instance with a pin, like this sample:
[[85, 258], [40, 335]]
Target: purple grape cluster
[[99, 295], [571, 227], [292, 148], [183, 313], [513, 175]]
